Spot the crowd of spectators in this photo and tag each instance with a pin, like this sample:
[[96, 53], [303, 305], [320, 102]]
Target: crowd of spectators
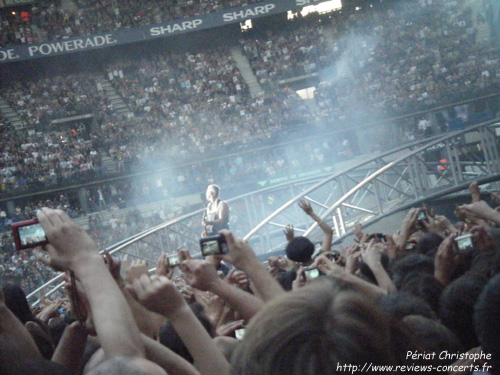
[[5, 125], [428, 56], [425, 294], [194, 104], [198, 103], [40, 100], [46, 159], [290, 52], [193, 101], [52, 21]]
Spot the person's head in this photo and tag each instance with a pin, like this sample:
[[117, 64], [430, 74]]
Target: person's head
[[127, 366], [212, 192], [457, 307], [401, 304], [313, 331], [16, 301], [428, 244], [286, 278], [411, 263], [424, 335], [486, 322], [424, 286], [300, 249]]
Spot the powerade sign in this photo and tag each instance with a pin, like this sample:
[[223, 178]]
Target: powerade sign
[[143, 33]]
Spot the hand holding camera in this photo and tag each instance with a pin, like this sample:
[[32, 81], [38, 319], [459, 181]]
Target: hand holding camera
[[70, 247], [28, 234], [200, 274], [240, 253]]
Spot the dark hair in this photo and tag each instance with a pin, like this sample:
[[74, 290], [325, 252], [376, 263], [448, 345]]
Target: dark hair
[[411, 263], [487, 324], [401, 304], [16, 301], [171, 339], [457, 307], [424, 286], [286, 278], [425, 335], [313, 331], [300, 249], [428, 244]]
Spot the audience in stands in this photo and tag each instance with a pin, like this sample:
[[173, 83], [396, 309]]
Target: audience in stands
[[381, 300], [412, 65], [191, 101], [41, 100], [53, 21]]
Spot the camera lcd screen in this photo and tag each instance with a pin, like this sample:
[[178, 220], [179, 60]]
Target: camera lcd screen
[[465, 244], [173, 260], [422, 216], [211, 247], [239, 333], [312, 273], [31, 234]]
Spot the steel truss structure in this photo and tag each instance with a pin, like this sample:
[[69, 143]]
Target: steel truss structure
[[368, 191]]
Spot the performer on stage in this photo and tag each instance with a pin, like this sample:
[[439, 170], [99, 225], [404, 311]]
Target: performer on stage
[[216, 216]]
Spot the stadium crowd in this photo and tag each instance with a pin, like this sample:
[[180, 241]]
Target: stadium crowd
[[430, 287], [49, 20], [37, 101], [191, 101], [415, 64]]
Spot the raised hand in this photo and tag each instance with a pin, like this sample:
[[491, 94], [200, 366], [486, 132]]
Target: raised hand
[[445, 260], [200, 274], [114, 266], [306, 206], [300, 279], [158, 294], [70, 246], [135, 269], [241, 254], [237, 278], [289, 233], [162, 267]]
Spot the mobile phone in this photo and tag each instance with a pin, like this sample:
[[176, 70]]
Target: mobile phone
[[173, 260], [464, 243], [28, 234], [214, 245], [311, 273], [421, 216]]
